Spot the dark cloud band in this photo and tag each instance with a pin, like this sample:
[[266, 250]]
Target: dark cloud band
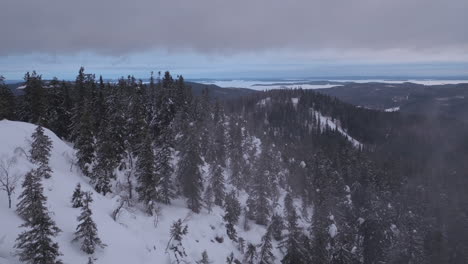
[[119, 27]]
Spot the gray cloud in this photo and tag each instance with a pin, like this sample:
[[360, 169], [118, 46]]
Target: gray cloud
[[113, 27]]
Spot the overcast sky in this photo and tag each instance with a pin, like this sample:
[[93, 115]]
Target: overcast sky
[[229, 39]]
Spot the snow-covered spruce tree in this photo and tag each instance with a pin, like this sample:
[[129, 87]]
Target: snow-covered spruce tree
[[250, 254], [208, 198], [277, 227], [219, 137], [84, 140], [230, 259], [189, 164], [235, 152], [77, 198], [205, 259], [86, 231], [32, 196], [206, 127], [296, 251], [263, 188], [217, 183], [232, 208], [146, 175], [35, 245], [136, 125], [90, 260], [40, 151], [164, 168], [288, 205], [7, 101], [258, 201], [106, 162], [34, 101], [265, 255], [178, 231]]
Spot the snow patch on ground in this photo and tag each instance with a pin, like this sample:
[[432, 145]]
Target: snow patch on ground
[[326, 121]]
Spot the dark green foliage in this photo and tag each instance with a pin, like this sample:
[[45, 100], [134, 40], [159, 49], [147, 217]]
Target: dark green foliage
[[77, 198], [35, 100], [35, 245], [178, 231], [205, 259], [165, 171], [86, 231], [84, 142], [40, 151], [232, 208], [146, 174], [189, 167], [235, 152], [296, 250], [251, 254], [32, 197], [219, 139], [7, 101], [265, 255], [277, 227], [217, 183]]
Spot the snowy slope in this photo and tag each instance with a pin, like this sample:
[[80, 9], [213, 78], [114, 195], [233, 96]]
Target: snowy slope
[[326, 121], [133, 238]]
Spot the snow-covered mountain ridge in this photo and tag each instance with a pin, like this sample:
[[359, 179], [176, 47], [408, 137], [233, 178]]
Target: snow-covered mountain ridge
[[134, 237]]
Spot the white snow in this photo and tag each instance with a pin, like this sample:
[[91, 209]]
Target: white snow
[[267, 85], [288, 84], [393, 109], [295, 101], [332, 230], [134, 238], [326, 121]]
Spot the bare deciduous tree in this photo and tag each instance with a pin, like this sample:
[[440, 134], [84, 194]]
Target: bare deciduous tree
[[8, 179]]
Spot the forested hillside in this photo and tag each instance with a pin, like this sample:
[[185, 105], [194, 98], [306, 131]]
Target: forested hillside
[[282, 176]]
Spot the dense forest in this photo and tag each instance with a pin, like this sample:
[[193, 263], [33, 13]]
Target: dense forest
[[399, 196]]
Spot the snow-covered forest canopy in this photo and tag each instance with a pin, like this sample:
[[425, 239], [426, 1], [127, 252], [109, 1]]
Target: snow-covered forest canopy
[[151, 172]]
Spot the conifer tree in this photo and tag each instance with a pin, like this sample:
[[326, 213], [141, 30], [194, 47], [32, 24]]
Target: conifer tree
[[208, 198], [277, 227], [217, 183], [40, 151], [146, 175], [32, 196], [35, 245], [86, 231], [84, 142], [189, 168], [164, 169], [266, 255], [296, 251], [136, 124], [235, 152], [258, 201], [105, 163], [230, 259], [219, 144], [77, 198], [178, 231], [232, 208], [7, 101], [250, 254], [205, 259], [34, 98]]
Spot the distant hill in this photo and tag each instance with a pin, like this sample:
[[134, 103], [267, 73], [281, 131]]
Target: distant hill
[[449, 100], [219, 92]]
